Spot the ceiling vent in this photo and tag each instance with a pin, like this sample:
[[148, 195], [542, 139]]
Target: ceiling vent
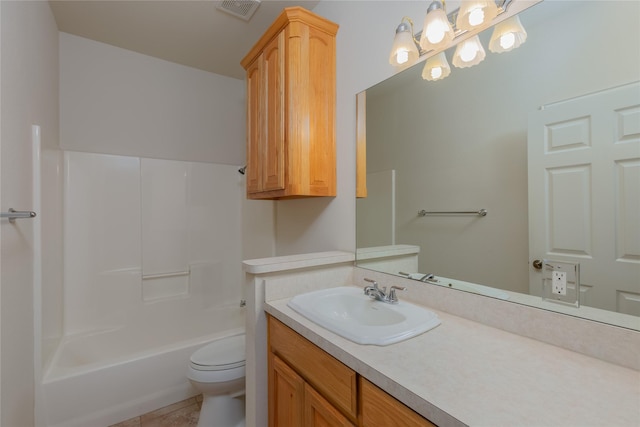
[[243, 9]]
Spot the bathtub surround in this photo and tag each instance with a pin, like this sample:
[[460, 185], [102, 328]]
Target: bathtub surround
[[50, 318], [139, 231], [596, 375], [139, 234], [147, 247]]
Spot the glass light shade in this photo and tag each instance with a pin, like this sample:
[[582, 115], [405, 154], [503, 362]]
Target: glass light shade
[[437, 31], [404, 51], [436, 68], [476, 14], [469, 53], [507, 35]]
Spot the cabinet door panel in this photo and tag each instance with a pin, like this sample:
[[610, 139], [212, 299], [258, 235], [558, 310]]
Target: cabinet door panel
[[319, 413], [381, 409], [255, 125], [273, 155], [321, 98], [326, 374], [286, 395]]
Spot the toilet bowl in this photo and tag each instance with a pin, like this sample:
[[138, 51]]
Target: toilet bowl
[[218, 370]]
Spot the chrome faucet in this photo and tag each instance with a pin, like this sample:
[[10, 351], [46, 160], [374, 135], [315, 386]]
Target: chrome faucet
[[374, 292]]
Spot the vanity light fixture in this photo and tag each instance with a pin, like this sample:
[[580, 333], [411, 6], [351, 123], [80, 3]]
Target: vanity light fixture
[[436, 68], [437, 31], [468, 53], [507, 35], [404, 51], [475, 14]]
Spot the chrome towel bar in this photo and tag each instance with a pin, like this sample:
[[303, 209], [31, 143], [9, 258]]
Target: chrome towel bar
[[14, 214], [481, 212]]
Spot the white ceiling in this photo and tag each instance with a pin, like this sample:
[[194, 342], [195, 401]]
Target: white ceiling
[[189, 32]]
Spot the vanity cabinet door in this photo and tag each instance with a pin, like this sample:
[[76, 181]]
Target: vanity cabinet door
[[319, 413], [336, 382], [381, 409], [286, 395]]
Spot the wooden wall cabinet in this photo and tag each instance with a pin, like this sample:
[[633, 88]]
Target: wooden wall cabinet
[[310, 388], [291, 150]]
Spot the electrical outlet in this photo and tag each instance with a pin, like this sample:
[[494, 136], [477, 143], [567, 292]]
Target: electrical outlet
[[559, 283]]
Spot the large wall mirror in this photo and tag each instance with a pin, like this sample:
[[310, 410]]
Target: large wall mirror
[[472, 141]]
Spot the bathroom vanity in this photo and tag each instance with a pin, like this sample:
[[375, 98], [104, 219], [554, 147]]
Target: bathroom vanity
[[309, 387], [490, 362]]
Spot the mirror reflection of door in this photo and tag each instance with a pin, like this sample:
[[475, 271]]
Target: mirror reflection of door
[[584, 170]]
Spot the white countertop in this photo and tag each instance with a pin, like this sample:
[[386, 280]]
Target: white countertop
[[467, 373]]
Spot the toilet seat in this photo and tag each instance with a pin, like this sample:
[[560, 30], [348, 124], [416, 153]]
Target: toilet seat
[[220, 355]]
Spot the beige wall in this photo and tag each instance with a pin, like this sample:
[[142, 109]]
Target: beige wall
[[115, 101], [29, 88]]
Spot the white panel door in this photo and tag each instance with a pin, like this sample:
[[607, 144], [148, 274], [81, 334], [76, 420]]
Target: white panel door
[[584, 194]]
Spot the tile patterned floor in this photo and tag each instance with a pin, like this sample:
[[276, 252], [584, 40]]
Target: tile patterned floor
[[181, 414]]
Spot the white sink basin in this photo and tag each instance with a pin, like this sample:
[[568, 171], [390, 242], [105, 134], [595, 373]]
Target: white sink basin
[[349, 313]]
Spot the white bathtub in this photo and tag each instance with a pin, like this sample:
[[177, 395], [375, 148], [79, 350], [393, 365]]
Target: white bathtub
[[105, 377]]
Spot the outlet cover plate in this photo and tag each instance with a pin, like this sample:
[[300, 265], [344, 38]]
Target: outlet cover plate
[[561, 282]]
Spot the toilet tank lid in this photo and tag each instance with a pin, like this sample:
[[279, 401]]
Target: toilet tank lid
[[222, 352]]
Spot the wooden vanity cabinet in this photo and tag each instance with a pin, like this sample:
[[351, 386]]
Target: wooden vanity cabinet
[[306, 383], [310, 388], [295, 403], [291, 89]]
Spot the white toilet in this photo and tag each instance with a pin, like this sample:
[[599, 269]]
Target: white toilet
[[217, 370]]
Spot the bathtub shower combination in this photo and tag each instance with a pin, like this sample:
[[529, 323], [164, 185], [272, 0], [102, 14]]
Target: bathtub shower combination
[[152, 272]]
